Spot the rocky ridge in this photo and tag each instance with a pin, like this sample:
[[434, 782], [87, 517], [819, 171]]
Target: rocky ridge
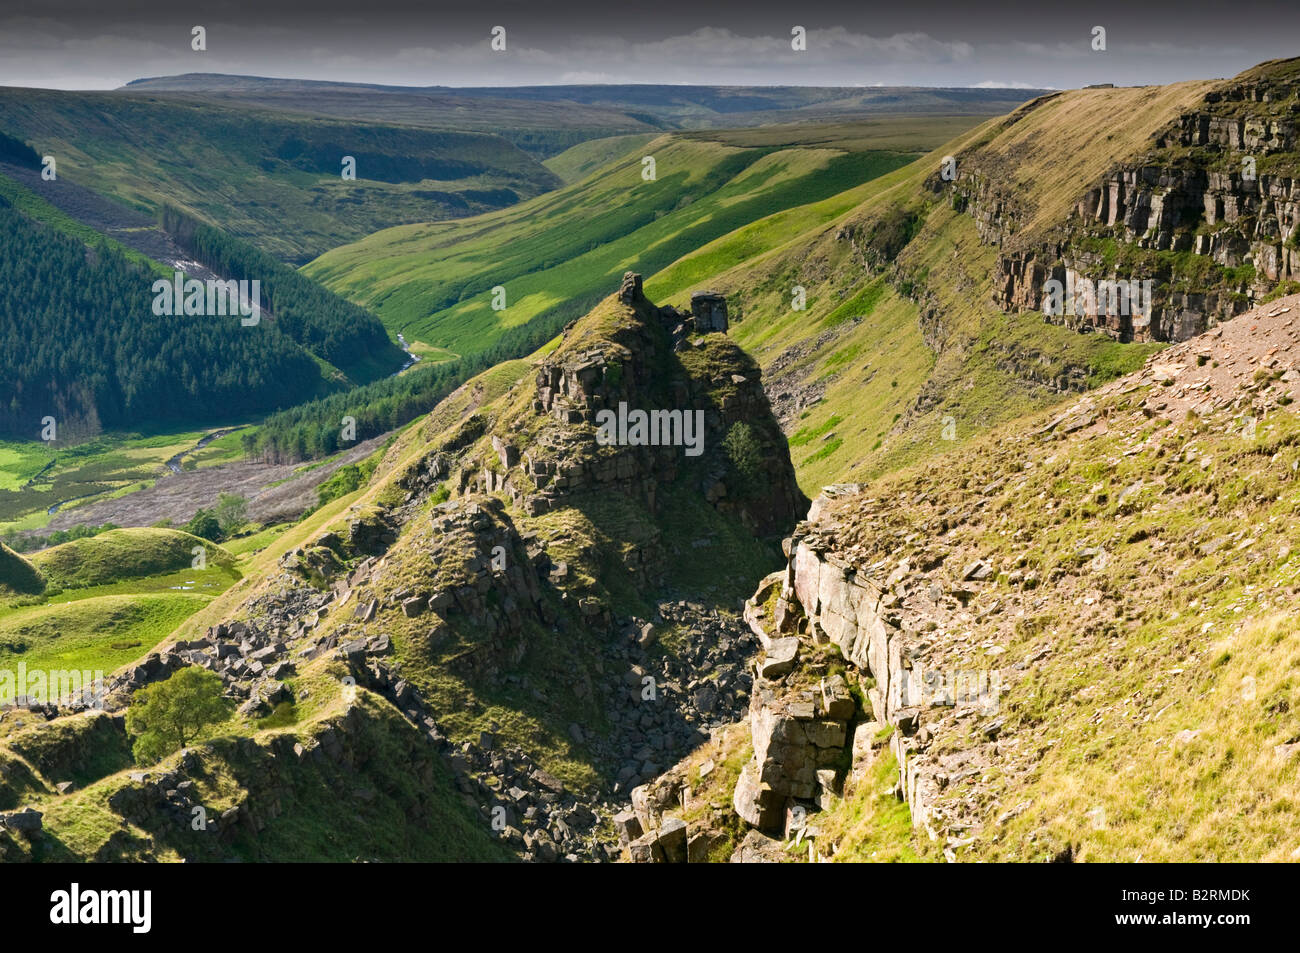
[[411, 582], [1217, 183]]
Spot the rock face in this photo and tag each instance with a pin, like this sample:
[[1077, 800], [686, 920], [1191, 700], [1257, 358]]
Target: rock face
[[802, 713], [807, 730], [630, 292], [799, 750], [710, 311], [1208, 186], [544, 462]]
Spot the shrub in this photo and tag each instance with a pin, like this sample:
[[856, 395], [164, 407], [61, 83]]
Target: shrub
[[231, 513], [204, 525], [745, 455]]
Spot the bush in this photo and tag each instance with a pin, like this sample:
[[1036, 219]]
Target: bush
[[231, 514], [204, 525], [347, 479]]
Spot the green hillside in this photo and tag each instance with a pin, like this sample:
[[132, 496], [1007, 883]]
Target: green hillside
[[546, 120], [283, 766], [902, 351], [250, 171], [121, 554], [18, 576], [80, 342], [556, 255], [899, 331], [1136, 608], [576, 163], [505, 635], [97, 634]]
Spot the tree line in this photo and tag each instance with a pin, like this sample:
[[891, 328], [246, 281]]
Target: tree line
[[333, 328], [79, 342], [314, 429]]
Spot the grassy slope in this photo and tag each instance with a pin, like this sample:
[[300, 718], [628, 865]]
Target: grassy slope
[[315, 824], [97, 634], [305, 813], [225, 164], [564, 250], [109, 598], [542, 129], [889, 388], [1034, 156], [545, 120], [907, 133], [599, 527], [1159, 680], [124, 554], [577, 162], [17, 575]]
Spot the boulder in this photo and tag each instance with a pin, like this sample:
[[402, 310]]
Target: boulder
[[27, 821], [672, 840], [414, 606], [779, 658], [698, 847], [709, 309], [646, 850], [628, 826], [864, 746], [837, 703]]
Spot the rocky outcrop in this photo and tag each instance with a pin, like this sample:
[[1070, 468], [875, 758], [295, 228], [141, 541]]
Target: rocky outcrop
[[459, 565], [1209, 186], [799, 735], [709, 309], [807, 729], [693, 386]]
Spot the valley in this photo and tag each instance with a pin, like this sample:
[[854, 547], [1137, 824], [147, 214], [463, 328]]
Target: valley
[[939, 575]]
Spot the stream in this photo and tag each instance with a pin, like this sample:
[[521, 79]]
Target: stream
[[174, 464], [413, 358]]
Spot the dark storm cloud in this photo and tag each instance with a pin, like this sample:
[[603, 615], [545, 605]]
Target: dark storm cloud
[[96, 45]]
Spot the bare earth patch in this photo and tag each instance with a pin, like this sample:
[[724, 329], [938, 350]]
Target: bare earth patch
[[178, 496]]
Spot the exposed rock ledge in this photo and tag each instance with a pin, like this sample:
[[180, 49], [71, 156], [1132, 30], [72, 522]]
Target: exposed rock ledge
[[890, 622]]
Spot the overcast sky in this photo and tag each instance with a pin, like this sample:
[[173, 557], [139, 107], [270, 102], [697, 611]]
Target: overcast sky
[[102, 44]]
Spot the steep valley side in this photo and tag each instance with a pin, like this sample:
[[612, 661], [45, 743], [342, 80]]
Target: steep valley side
[[528, 621], [1070, 641]]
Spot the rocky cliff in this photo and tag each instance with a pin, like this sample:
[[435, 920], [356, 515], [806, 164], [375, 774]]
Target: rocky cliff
[[1207, 211], [1048, 626]]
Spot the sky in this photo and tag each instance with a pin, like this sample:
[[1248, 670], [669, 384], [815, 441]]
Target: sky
[[102, 44]]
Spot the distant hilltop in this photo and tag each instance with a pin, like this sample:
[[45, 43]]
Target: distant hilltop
[[666, 105]]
